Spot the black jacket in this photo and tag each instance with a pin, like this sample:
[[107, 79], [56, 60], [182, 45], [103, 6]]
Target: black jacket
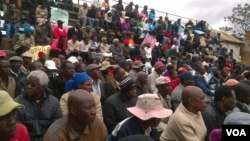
[[115, 110], [37, 117], [73, 31]]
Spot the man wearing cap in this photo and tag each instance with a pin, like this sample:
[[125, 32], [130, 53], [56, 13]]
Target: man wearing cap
[[27, 60], [159, 68], [16, 73], [186, 124], [59, 30], [114, 110], [94, 72], [25, 41], [137, 67], [7, 82], [50, 69], [9, 129], [57, 84], [147, 114], [186, 79], [163, 86]]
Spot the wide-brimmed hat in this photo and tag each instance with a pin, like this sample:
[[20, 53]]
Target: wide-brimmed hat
[[105, 65], [162, 80], [137, 65], [7, 104], [149, 106]]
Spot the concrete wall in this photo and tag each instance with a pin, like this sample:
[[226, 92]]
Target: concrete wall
[[246, 49]]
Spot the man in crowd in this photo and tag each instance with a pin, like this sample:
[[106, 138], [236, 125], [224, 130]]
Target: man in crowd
[[10, 130], [159, 69], [186, 79], [81, 123], [7, 82], [186, 124], [114, 110], [41, 108], [215, 113], [147, 114], [57, 83]]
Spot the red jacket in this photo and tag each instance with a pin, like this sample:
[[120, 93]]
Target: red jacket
[[21, 133], [59, 32]]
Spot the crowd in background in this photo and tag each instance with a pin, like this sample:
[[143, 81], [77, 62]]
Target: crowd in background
[[101, 77]]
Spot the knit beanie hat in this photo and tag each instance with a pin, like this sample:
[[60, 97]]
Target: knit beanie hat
[[125, 83], [158, 65]]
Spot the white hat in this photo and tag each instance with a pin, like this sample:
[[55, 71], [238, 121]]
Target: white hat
[[50, 64], [27, 54], [72, 59]]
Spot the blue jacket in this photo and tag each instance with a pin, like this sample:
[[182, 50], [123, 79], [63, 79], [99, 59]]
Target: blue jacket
[[202, 83]]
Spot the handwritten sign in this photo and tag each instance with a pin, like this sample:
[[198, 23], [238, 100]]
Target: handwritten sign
[[35, 50], [59, 14]]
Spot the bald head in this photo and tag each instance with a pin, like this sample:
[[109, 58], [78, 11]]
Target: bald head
[[81, 106], [193, 98], [79, 97]]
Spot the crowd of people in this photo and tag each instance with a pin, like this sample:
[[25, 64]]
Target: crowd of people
[[102, 82]]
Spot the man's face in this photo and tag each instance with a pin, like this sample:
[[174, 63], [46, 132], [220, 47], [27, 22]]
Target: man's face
[[132, 91], [96, 73], [27, 60], [8, 125], [230, 102], [15, 65], [86, 112], [153, 122], [161, 70], [200, 102], [69, 70], [86, 86], [33, 87], [4, 67]]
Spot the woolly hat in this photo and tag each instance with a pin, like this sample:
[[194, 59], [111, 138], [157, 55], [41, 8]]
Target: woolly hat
[[125, 83], [158, 65]]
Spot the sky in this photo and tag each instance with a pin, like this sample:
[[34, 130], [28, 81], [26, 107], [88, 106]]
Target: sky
[[212, 11]]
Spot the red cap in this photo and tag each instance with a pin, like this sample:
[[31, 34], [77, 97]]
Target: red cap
[[41, 54], [126, 42], [2, 53]]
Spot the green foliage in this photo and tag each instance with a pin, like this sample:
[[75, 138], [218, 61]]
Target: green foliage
[[239, 20]]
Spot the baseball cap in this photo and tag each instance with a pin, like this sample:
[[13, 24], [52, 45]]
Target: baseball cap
[[50, 64]]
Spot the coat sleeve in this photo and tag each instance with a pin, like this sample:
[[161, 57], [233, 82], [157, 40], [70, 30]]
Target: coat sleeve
[[98, 106], [109, 116], [64, 104]]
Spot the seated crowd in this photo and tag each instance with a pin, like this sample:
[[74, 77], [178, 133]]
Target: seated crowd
[[102, 81]]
